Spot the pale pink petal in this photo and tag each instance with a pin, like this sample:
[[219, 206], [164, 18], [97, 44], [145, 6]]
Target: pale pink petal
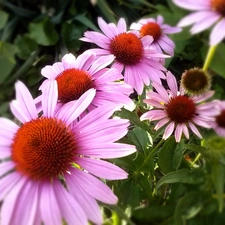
[[49, 98], [218, 33], [8, 182], [88, 203], [53, 71], [154, 115], [101, 63], [8, 125], [93, 186], [5, 167], [161, 90], [5, 151], [68, 61], [122, 26], [203, 97], [106, 28], [205, 23], [194, 129], [106, 150], [185, 130], [49, 208], [70, 111], [11, 201], [178, 132], [193, 4], [25, 102], [101, 168], [26, 205], [172, 83], [118, 66], [169, 130], [161, 123], [71, 211], [201, 123], [85, 60]]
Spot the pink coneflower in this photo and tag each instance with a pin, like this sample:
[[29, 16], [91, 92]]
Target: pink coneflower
[[74, 76], [138, 63], [219, 124], [207, 12], [178, 111], [158, 31], [48, 163]]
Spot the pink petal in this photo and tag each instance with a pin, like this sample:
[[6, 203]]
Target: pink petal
[[51, 72], [178, 132], [218, 33], [68, 61], [49, 98], [169, 130], [70, 111], [71, 211], [172, 83], [49, 208], [101, 168], [192, 4], [194, 129], [93, 186], [6, 167], [88, 203]]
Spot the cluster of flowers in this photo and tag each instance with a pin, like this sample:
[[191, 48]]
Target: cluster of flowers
[[50, 163]]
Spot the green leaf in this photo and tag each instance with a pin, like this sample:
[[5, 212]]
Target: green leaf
[[71, 35], [120, 213], [140, 138], [189, 206], [84, 20], [106, 10], [7, 59], [170, 155], [183, 176], [218, 176], [3, 18], [126, 114], [43, 32], [26, 46]]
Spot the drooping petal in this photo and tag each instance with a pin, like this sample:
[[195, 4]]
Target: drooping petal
[[169, 130]]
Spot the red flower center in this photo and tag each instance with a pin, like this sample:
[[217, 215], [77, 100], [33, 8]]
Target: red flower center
[[72, 83], [152, 29], [218, 6], [127, 48], [220, 119], [181, 109], [43, 148]]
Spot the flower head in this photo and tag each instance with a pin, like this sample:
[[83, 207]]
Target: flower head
[[75, 76], [159, 31], [48, 163], [195, 81], [219, 123], [139, 63], [177, 111], [207, 13]]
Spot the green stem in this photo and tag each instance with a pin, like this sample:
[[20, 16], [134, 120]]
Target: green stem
[[209, 57], [196, 159], [151, 154]]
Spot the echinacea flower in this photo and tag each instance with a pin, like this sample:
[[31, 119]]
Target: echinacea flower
[[158, 30], [75, 76], [219, 124], [50, 164], [139, 64], [206, 13], [195, 81], [177, 111]]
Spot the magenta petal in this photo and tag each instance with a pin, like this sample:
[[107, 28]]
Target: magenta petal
[[93, 186], [101, 168]]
